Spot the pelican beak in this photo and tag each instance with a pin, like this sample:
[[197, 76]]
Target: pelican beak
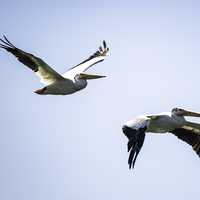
[[190, 113], [90, 76]]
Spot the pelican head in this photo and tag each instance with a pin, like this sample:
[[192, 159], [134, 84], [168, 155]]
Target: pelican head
[[183, 112]]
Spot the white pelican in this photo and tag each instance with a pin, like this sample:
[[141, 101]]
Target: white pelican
[[72, 81], [172, 122]]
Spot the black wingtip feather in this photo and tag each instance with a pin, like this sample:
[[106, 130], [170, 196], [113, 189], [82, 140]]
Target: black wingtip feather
[[104, 44], [4, 42], [8, 41], [131, 143], [3, 46], [131, 156], [134, 145]]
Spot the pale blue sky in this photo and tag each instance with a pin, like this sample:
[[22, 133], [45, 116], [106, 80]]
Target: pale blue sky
[[72, 147]]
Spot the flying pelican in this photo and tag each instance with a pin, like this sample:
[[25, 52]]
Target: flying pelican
[[172, 122], [56, 84]]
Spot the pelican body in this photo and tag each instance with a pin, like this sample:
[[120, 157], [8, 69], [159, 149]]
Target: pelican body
[[73, 80], [170, 122]]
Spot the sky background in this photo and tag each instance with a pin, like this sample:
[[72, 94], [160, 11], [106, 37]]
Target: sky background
[[72, 147]]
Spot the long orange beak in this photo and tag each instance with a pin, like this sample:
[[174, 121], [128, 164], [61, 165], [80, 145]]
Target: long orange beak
[[190, 113], [90, 76]]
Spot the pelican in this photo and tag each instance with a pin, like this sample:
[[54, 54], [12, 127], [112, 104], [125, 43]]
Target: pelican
[[170, 122], [70, 82]]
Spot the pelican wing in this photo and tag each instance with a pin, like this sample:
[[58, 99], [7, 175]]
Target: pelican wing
[[195, 127], [95, 58], [134, 146], [43, 70], [135, 132], [190, 137]]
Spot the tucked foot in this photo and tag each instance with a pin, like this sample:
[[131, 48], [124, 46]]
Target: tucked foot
[[40, 91]]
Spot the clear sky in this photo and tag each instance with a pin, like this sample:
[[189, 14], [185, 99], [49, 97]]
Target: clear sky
[[72, 147]]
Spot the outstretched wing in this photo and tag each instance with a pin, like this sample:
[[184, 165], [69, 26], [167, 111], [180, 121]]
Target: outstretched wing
[[134, 146], [43, 70], [190, 137], [135, 132], [95, 58]]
